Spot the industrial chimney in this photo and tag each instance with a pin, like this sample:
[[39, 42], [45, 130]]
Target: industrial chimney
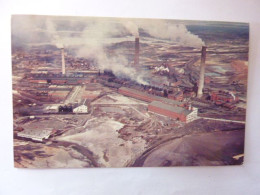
[[63, 61], [202, 71], [137, 47]]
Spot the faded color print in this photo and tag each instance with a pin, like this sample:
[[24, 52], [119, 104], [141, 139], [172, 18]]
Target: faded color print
[[124, 92]]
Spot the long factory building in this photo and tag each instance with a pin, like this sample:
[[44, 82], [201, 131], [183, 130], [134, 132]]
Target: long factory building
[[147, 97], [175, 112], [163, 106]]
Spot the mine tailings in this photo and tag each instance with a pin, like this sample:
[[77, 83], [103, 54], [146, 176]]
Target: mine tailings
[[139, 162]]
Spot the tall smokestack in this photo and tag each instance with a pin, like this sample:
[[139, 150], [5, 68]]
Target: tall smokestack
[[202, 71], [63, 61], [137, 48]]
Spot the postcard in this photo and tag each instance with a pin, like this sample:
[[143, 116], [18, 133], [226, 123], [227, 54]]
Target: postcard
[[128, 92]]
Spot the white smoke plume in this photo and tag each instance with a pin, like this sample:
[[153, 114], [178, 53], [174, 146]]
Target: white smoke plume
[[232, 94], [132, 28], [52, 30], [94, 37], [174, 32]]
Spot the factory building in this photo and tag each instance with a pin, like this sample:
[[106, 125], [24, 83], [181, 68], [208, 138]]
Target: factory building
[[39, 81], [222, 96], [147, 97], [175, 112], [52, 108], [176, 96], [136, 94], [60, 80], [163, 106]]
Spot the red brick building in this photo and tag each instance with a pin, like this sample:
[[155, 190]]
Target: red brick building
[[176, 96], [163, 106], [174, 112], [147, 97], [224, 97]]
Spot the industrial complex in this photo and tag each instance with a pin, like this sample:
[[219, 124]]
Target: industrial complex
[[119, 99]]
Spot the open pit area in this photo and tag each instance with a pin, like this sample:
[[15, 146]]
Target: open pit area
[[143, 99]]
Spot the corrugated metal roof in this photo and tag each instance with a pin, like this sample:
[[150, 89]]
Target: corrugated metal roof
[[168, 107]]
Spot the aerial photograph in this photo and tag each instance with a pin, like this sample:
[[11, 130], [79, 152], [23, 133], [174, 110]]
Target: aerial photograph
[[128, 92]]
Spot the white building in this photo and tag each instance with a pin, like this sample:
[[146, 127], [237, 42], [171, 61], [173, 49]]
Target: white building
[[193, 115], [52, 108], [81, 109]]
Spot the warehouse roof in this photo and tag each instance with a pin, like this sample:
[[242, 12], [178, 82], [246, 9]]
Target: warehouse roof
[[168, 101], [168, 107], [157, 98]]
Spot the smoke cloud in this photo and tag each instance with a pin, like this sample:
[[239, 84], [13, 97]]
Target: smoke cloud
[[94, 47], [174, 32], [132, 28], [91, 37], [55, 37]]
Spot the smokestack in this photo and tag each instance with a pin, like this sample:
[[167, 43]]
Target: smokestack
[[63, 61], [202, 71], [137, 47]]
